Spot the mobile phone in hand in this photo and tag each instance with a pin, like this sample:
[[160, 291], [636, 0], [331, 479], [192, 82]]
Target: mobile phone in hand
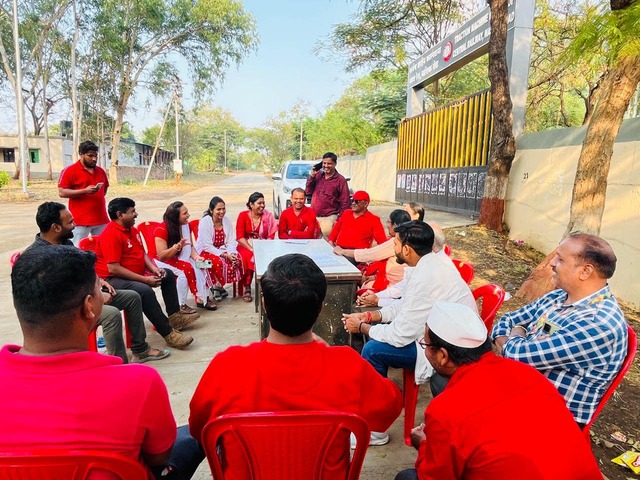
[[99, 185]]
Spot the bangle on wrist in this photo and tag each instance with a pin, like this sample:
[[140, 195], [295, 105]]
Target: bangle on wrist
[[369, 317], [520, 326], [360, 327]]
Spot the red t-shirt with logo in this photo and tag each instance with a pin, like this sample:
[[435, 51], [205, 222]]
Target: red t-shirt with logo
[[117, 244], [90, 209]]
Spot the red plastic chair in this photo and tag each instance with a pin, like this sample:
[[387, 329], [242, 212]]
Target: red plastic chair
[[14, 258], [285, 445], [492, 299], [447, 250], [67, 464], [626, 365], [147, 229], [88, 244], [466, 270]]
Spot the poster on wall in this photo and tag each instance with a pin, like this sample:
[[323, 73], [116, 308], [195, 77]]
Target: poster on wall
[[442, 183], [399, 180], [403, 180], [427, 183], [471, 185], [482, 177], [462, 184], [453, 184], [414, 183], [420, 183]]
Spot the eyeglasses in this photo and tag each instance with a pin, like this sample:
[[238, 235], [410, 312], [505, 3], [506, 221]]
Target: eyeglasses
[[424, 344], [357, 201]]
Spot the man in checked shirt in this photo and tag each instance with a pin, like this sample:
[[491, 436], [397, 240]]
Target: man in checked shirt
[[576, 335]]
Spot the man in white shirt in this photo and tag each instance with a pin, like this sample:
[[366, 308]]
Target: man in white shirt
[[395, 329], [393, 293]]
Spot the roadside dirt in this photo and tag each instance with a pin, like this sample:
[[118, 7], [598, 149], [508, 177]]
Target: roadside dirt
[[498, 260]]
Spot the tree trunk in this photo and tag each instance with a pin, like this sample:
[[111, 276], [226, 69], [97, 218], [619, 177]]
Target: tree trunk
[[503, 144], [590, 186], [117, 133], [45, 122]]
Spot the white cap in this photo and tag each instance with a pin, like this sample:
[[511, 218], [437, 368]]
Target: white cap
[[457, 324]]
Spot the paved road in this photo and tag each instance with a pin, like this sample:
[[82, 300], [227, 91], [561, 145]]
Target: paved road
[[234, 323]]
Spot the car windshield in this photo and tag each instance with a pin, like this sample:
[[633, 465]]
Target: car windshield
[[298, 172]]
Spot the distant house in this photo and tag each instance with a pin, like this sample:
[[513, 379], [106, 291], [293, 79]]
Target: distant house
[[133, 157], [61, 154]]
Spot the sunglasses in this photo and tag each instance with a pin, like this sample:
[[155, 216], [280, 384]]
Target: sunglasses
[[357, 201]]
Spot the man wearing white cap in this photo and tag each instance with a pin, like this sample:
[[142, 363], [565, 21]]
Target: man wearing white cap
[[496, 418]]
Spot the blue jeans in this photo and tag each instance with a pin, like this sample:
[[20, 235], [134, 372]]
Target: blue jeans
[[187, 454], [382, 356]]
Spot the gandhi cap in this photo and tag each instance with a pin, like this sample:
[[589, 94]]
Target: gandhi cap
[[457, 324]]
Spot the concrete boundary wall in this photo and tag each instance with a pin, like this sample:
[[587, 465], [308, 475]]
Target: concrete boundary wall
[[374, 172], [539, 197]]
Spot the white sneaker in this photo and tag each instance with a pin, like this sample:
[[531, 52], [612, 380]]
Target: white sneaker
[[377, 439]]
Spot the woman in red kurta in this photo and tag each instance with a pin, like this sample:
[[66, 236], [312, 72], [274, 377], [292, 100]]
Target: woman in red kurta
[[254, 223]]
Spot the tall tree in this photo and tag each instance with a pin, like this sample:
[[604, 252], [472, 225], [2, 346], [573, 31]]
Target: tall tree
[[617, 28], [135, 38], [503, 144]]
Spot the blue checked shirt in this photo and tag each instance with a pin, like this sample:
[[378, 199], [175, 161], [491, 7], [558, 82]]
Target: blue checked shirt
[[584, 350]]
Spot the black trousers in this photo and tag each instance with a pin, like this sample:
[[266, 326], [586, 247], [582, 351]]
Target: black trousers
[[150, 305]]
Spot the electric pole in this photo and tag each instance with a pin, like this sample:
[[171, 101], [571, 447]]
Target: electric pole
[[22, 133]]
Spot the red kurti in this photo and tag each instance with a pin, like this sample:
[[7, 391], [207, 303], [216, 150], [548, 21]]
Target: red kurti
[[351, 232], [500, 419], [304, 225], [90, 209], [264, 377]]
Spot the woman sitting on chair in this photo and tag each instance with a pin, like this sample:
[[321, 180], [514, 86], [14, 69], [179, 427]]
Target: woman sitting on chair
[[254, 223], [173, 246], [217, 242]]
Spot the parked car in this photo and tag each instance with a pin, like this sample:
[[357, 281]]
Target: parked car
[[293, 174]]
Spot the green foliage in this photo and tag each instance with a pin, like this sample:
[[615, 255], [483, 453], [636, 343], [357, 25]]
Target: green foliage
[[4, 179]]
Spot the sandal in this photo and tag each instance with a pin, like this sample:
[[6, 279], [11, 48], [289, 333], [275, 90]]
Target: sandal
[[210, 305], [148, 356], [187, 309], [247, 295]]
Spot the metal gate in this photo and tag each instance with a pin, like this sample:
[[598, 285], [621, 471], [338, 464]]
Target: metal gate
[[443, 155]]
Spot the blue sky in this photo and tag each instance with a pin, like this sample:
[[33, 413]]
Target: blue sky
[[284, 69]]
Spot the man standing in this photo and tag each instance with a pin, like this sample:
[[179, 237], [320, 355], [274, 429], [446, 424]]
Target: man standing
[[298, 221], [123, 262], [85, 185], [358, 227], [329, 193], [56, 228], [290, 370], [461, 435], [576, 335], [57, 394]]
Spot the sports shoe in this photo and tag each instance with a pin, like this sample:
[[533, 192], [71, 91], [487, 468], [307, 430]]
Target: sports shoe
[[101, 343], [178, 340], [377, 439], [147, 357], [178, 320]]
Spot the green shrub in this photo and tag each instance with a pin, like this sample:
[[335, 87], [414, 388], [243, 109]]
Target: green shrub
[[4, 179]]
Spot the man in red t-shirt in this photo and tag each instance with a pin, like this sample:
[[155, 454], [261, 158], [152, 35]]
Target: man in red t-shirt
[[123, 262], [291, 369], [57, 395], [496, 418], [358, 227], [85, 185], [298, 221]]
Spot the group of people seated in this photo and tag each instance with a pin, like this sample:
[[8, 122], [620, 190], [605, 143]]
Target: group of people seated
[[516, 414]]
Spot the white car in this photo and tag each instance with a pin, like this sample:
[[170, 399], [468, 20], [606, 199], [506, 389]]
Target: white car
[[293, 174]]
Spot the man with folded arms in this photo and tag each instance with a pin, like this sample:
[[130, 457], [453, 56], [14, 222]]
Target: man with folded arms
[[123, 262], [496, 418], [57, 395], [298, 221]]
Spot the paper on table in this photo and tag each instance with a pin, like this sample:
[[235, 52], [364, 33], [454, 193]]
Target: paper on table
[[325, 259]]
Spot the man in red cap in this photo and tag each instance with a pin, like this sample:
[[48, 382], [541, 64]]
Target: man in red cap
[[358, 227]]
